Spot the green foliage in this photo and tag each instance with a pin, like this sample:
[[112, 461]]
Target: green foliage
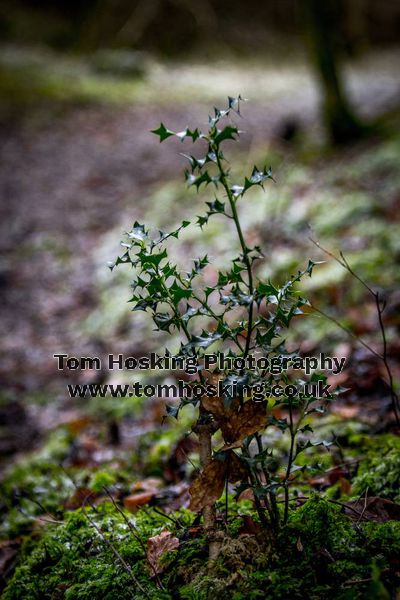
[[180, 303], [35, 485], [379, 472]]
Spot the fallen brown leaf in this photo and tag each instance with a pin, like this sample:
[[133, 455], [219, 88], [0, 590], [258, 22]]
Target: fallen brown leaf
[[208, 487], [236, 469], [373, 508], [246, 420], [215, 406], [157, 546], [143, 491], [133, 501], [247, 494], [299, 545], [81, 496], [249, 527], [151, 484]]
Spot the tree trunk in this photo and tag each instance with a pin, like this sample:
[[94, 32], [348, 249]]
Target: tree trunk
[[341, 123]]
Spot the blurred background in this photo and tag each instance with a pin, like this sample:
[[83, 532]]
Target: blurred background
[[82, 84]]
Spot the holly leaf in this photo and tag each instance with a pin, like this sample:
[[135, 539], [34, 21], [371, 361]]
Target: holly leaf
[[178, 292], [204, 340], [237, 190], [197, 181], [151, 259], [202, 220], [234, 103], [229, 132], [162, 132], [216, 206], [257, 177]]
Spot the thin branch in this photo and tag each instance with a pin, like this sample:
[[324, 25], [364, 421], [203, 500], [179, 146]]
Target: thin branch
[[355, 337], [116, 553], [380, 308]]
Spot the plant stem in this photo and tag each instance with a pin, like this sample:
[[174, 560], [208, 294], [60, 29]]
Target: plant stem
[[290, 462], [244, 248], [254, 483], [204, 432], [271, 505]]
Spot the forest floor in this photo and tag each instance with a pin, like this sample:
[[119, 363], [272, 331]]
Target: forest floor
[[77, 166]]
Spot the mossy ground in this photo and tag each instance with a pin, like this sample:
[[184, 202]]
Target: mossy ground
[[319, 554]]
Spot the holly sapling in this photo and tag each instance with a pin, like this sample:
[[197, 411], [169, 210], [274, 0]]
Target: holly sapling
[[175, 300]]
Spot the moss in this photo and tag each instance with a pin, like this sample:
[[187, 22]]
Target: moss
[[37, 484], [34, 485], [74, 561], [319, 555], [315, 556], [379, 472]]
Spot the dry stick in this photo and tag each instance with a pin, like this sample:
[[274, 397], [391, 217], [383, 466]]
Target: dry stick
[[103, 537], [204, 432], [365, 506], [254, 482], [135, 534], [380, 307], [226, 494], [130, 525], [115, 551], [365, 580], [50, 521], [347, 330], [163, 514], [42, 508], [354, 510]]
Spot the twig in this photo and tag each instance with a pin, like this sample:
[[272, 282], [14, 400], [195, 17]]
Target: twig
[[380, 308], [365, 580], [342, 504], [289, 463], [365, 506], [117, 554], [163, 514], [271, 504], [347, 330], [103, 537], [121, 512], [40, 505], [135, 535]]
